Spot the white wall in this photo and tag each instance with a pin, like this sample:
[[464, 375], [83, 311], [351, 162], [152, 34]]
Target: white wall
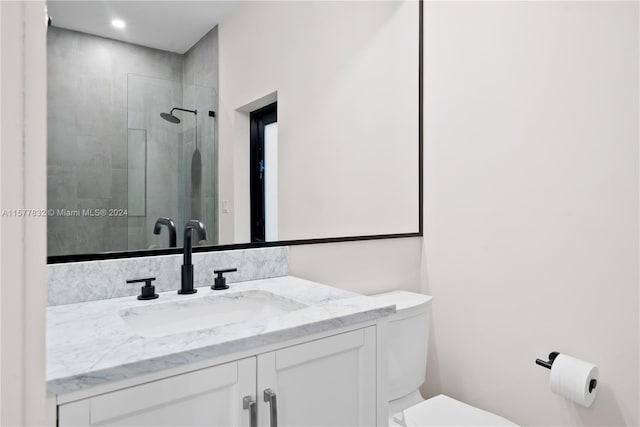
[[346, 79], [367, 267], [531, 226], [23, 184]]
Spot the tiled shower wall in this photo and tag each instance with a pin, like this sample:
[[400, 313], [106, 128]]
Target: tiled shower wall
[[87, 134], [87, 137], [200, 87], [154, 177]]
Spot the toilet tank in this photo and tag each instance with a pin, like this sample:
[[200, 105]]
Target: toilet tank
[[407, 341]]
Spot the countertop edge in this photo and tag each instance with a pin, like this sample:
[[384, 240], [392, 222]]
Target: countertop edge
[[74, 383]]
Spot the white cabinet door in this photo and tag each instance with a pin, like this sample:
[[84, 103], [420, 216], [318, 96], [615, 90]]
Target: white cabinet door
[[328, 382], [208, 397]]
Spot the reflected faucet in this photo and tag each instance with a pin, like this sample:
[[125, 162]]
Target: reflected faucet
[[171, 226], [187, 267]]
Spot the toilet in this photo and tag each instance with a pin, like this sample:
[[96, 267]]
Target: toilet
[[407, 358]]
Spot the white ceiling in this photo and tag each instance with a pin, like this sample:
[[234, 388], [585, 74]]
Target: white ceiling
[[174, 26]]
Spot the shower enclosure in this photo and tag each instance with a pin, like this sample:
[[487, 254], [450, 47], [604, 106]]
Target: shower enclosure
[[172, 158]]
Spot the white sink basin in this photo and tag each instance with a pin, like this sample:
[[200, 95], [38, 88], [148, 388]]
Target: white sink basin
[[205, 312]]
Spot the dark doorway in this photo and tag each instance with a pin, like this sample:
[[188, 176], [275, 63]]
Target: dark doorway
[[259, 119]]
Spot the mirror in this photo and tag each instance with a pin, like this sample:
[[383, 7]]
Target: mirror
[[268, 121]]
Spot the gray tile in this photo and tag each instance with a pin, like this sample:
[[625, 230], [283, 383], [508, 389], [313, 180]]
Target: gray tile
[[61, 239], [156, 63], [61, 128], [201, 61], [135, 119], [62, 91], [119, 238], [118, 146], [119, 221], [61, 145], [94, 182], [196, 207], [135, 93], [135, 239], [177, 65], [136, 222], [188, 94], [62, 187], [94, 106], [62, 53], [177, 96], [93, 232], [162, 177], [119, 181], [94, 168], [188, 69], [210, 218], [117, 135], [136, 193], [136, 149], [95, 56]]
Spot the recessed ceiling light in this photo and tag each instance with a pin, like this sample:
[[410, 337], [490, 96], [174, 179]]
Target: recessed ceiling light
[[118, 23]]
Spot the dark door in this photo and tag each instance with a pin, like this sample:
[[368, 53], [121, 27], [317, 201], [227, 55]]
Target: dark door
[[259, 119]]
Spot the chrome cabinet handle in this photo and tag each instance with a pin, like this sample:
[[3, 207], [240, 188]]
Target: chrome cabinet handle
[[270, 396], [250, 404]]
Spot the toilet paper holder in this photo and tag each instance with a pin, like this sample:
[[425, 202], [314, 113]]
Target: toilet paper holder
[[552, 356]]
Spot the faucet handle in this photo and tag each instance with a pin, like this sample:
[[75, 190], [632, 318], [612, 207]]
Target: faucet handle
[[148, 291], [226, 270], [220, 282]]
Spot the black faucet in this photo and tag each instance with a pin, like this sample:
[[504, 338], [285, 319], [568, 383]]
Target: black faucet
[[187, 267], [171, 226]]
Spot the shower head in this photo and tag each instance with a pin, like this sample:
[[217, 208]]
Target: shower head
[[173, 119], [170, 117]]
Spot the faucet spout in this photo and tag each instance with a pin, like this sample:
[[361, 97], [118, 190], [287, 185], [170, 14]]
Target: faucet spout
[[171, 226], [187, 266]]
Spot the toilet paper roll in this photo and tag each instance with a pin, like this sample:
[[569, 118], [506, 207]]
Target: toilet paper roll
[[570, 378]]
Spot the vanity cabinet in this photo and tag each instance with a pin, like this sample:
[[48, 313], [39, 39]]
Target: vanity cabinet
[[207, 397], [326, 382]]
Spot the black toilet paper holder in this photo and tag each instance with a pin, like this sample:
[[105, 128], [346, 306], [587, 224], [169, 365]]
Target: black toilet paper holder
[[552, 356]]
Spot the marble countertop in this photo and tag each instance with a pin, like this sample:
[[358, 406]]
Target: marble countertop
[[90, 343]]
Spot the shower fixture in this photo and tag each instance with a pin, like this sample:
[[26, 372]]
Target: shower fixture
[[173, 119], [196, 159]]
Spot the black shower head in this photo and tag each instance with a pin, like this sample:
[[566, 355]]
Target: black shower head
[[170, 117], [173, 119]]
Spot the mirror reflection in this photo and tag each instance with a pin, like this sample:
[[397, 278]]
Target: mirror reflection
[[263, 120]]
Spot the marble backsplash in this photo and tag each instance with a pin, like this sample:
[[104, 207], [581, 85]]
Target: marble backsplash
[[76, 282]]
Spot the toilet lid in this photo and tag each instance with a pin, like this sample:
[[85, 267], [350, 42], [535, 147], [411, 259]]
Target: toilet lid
[[445, 411]]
